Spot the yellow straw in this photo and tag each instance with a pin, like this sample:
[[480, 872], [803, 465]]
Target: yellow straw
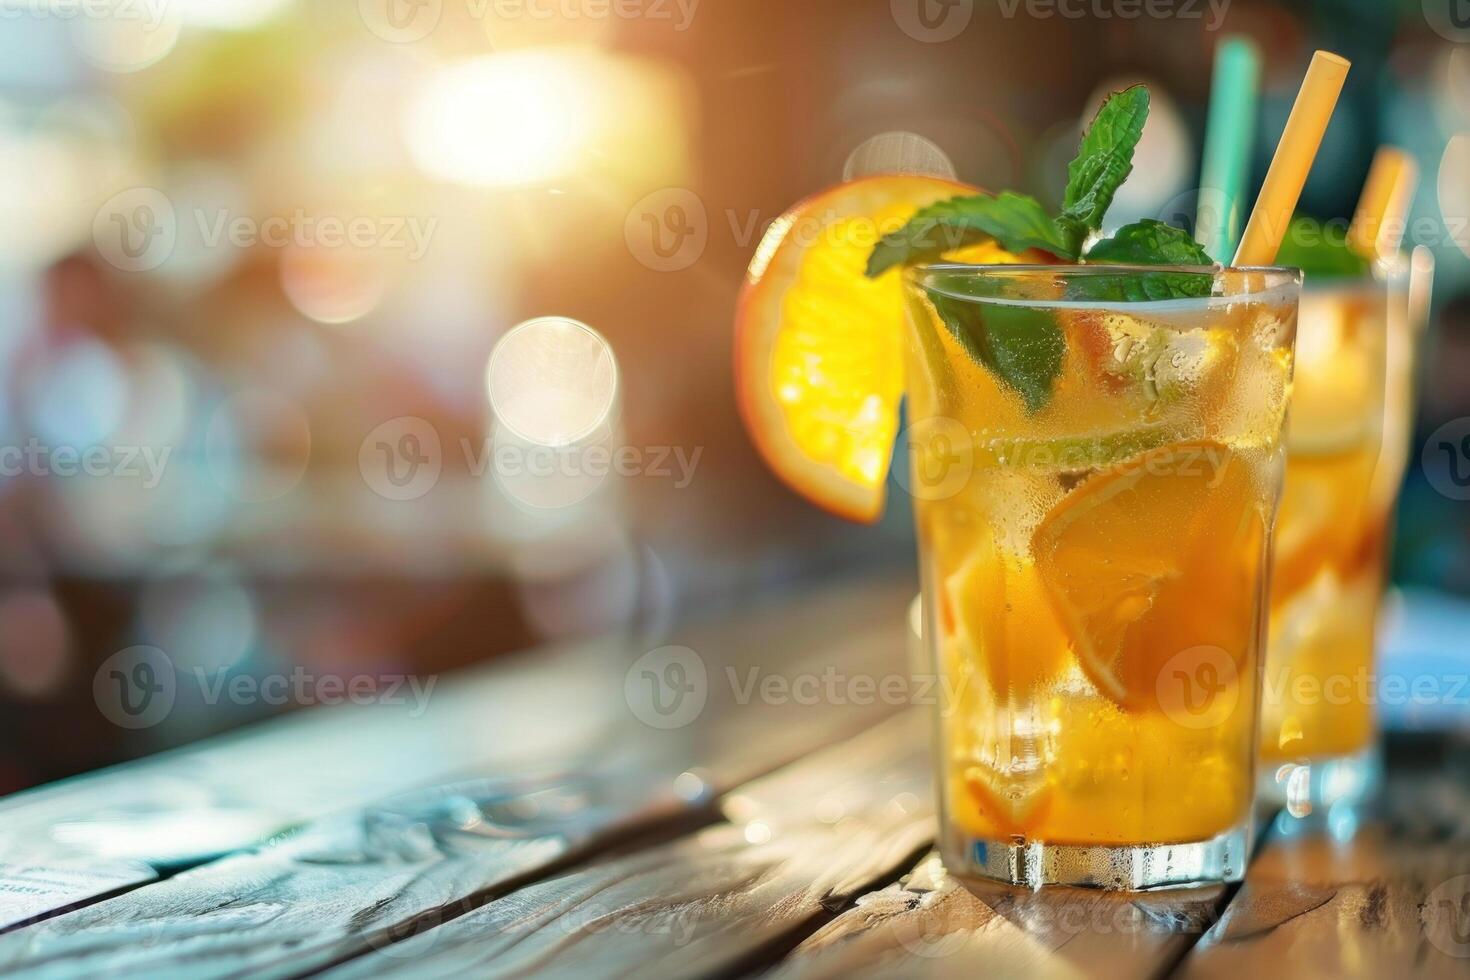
[[1378, 224], [1293, 160]]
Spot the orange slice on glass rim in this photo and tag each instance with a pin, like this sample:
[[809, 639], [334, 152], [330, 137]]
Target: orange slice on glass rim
[[818, 345]]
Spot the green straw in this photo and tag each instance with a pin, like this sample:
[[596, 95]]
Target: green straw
[[1229, 138]]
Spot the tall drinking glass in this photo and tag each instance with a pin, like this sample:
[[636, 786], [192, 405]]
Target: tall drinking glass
[[1347, 446], [1096, 469]]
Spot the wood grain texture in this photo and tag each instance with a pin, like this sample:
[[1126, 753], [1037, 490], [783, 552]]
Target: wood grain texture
[[1391, 900], [29, 891], [933, 925], [796, 846], [349, 883]]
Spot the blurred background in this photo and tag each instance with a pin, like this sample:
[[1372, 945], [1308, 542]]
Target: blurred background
[[255, 256]]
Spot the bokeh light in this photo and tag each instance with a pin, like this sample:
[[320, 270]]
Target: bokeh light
[[552, 381], [258, 445], [898, 152], [130, 38], [78, 395], [205, 621], [229, 14], [503, 120], [333, 285], [35, 642], [1454, 189]]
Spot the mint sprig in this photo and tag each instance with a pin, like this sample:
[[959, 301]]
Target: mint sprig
[[1016, 221], [1104, 161], [1021, 345], [1146, 242], [1024, 347]]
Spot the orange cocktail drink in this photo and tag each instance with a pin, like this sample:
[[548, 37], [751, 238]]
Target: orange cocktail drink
[[1096, 475], [1346, 450]]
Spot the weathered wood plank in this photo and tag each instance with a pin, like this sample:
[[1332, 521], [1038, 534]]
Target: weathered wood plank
[[350, 882], [933, 925], [1391, 900], [797, 846], [27, 890]]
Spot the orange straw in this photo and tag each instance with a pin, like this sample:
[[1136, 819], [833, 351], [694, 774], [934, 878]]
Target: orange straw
[[1293, 160], [1378, 224]]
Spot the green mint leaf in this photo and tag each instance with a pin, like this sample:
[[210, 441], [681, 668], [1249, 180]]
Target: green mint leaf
[[1150, 242], [1015, 221], [1022, 346], [1320, 251], [1146, 242], [1103, 162]]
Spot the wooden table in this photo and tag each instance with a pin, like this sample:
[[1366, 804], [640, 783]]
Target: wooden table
[[600, 810]]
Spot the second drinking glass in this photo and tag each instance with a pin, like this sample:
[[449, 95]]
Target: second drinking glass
[[1097, 459]]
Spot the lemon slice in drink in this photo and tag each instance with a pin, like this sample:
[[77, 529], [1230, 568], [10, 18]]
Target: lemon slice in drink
[[1151, 558]]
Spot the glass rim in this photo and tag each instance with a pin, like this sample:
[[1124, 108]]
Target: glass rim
[[1275, 282], [1098, 268]]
